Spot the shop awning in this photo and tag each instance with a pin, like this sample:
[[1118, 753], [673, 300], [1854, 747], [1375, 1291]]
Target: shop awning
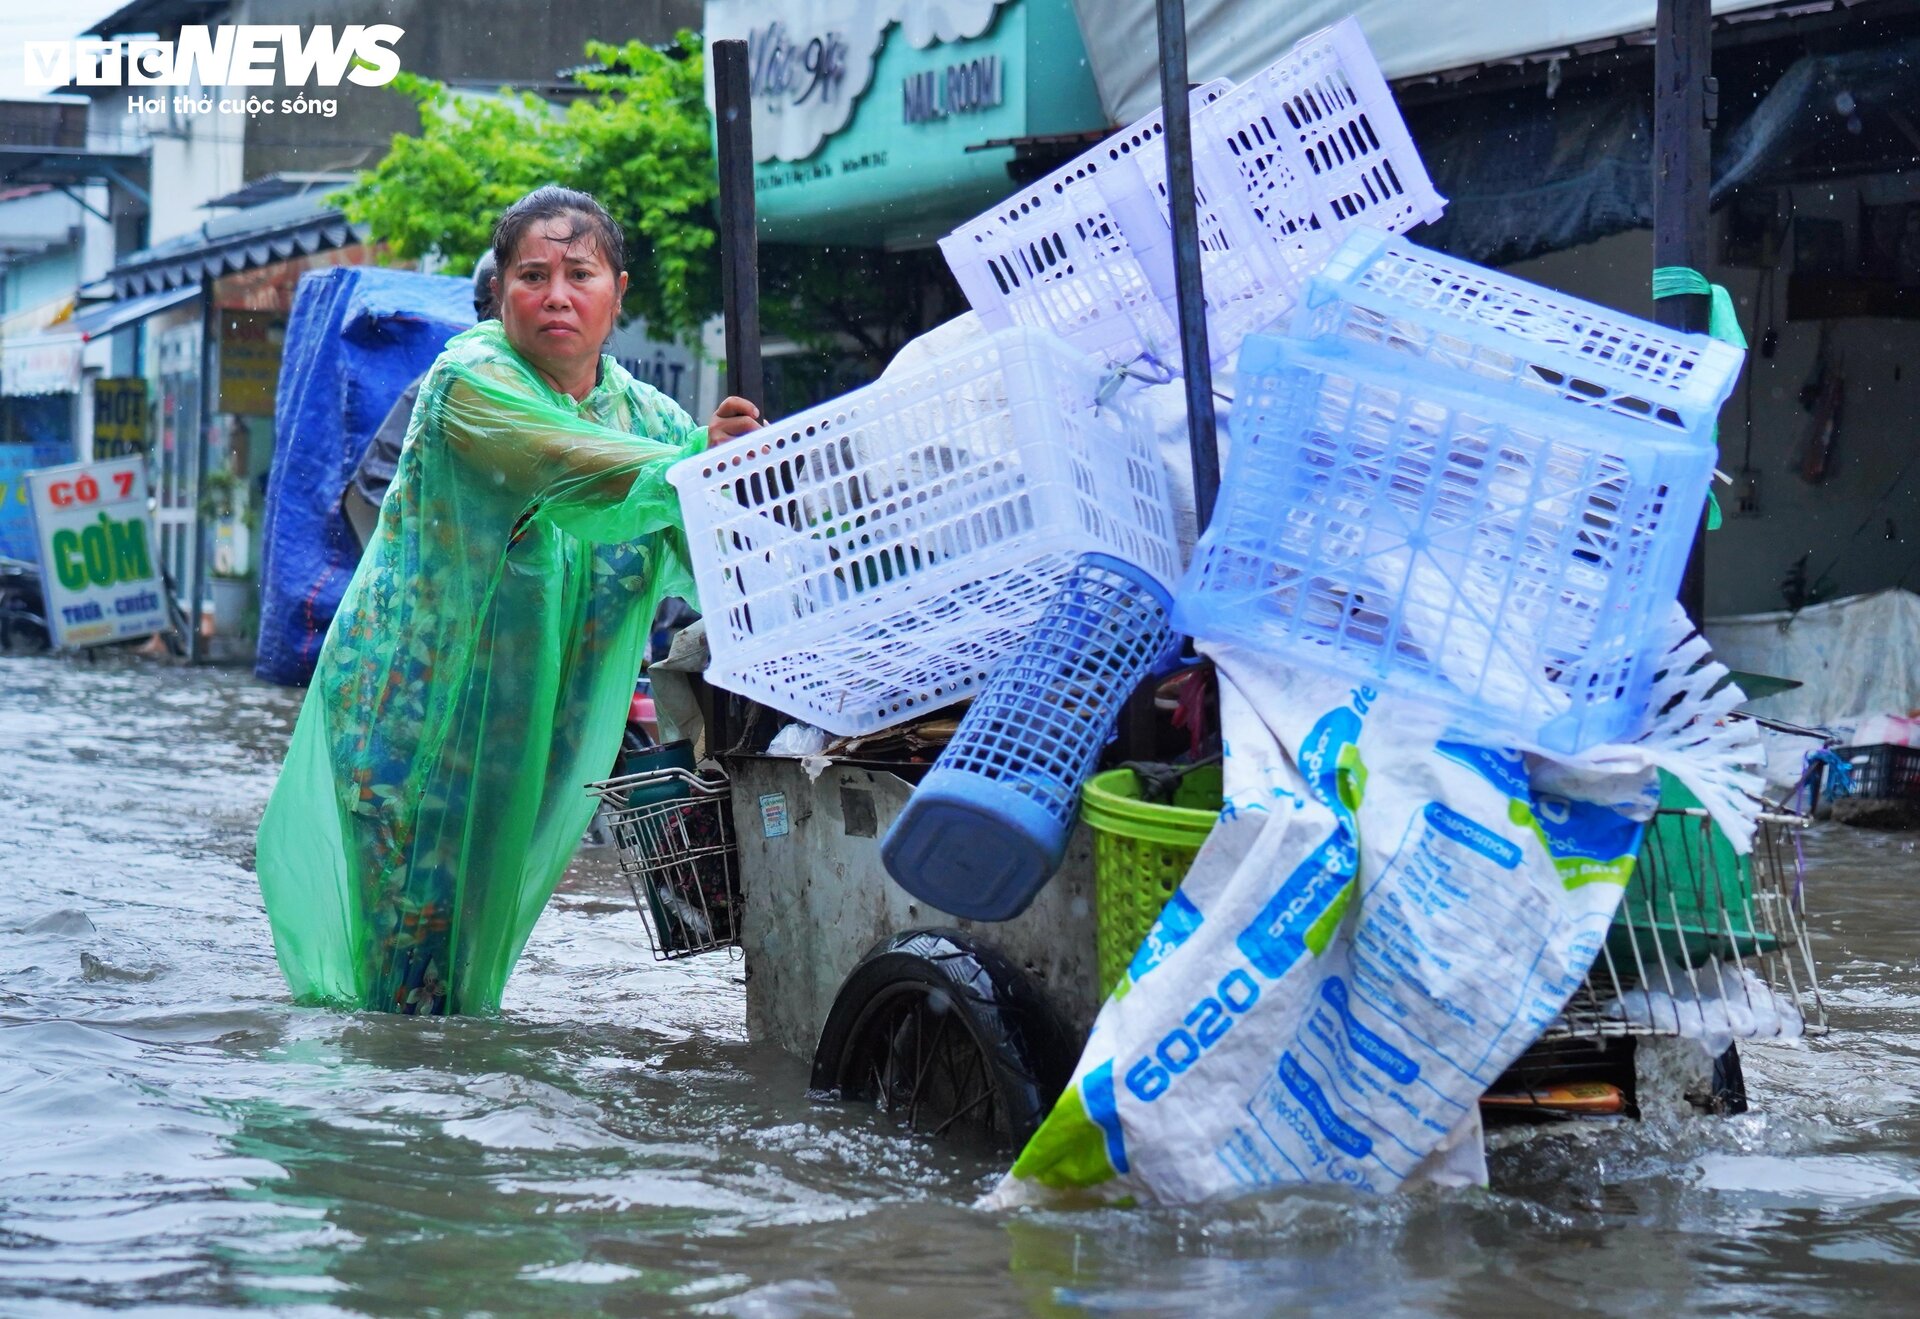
[[257, 236], [55, 316], [64, 166], [39, 352], [106, 317], [1227, 38]]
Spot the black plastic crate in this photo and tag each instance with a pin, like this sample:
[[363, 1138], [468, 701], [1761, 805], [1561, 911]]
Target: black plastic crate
[[1886, 772]]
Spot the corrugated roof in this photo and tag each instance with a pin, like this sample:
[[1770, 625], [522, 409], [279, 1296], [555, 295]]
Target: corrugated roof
[[106, 317], [257, 236]]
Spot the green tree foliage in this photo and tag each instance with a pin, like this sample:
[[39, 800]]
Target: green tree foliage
[[641, 141]]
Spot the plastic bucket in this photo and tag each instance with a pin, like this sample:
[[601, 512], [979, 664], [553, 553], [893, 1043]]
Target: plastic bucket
[[1141, 853]]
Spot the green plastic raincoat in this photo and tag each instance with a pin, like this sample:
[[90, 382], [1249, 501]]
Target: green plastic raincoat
[[476, 676]]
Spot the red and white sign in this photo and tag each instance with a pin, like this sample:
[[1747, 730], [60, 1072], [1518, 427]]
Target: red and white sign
[[97, 560]]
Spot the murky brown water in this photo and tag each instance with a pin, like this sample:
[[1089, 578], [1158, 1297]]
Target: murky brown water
[[174, 1137]]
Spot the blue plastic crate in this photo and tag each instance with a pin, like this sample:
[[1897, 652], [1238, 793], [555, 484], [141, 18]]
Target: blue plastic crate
[[988, 826], [1475, 543], [1496, 331]]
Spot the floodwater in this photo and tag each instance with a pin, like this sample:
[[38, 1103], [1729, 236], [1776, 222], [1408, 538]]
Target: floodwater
[[176, 1138]]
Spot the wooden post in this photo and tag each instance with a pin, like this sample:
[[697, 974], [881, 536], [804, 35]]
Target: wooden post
[[739, 241], [1683, 103], [739, 283], [1196, 365]]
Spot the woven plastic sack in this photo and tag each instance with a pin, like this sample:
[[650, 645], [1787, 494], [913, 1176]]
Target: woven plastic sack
[[1381, 921], [1378, 925], [476, 675]]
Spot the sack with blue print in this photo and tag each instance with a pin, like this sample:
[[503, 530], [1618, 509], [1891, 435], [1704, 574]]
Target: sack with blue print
[[1382, 921]]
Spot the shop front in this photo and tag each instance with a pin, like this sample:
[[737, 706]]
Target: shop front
[[877, 128], [40, 374], [213, 307]]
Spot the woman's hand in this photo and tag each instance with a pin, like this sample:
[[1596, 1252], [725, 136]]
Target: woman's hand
[[732, 419]]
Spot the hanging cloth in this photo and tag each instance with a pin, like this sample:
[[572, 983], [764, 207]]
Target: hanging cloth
[[1723, 323]]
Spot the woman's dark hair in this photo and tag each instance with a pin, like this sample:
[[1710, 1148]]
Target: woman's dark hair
[[585, 218]]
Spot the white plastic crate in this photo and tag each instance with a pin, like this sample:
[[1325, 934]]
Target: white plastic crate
[[1447, 536], [1389, 292], [871, 559], [1285, 165], [1300, 154], [1060, 254]]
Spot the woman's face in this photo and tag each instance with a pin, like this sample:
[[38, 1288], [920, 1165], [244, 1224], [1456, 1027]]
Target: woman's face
[[559, 299]]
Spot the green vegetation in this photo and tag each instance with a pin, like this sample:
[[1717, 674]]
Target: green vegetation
[[640, 140]]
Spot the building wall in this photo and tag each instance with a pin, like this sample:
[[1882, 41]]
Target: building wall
[[1879, 433], [194, 157], [42, 280], [47, 221], [481, 44]]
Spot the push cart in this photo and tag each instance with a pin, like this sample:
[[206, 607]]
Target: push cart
[[970, 1030]]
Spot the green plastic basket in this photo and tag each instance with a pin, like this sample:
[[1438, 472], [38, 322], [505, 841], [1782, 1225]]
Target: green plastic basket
[[1691, 897], [1141, 852]]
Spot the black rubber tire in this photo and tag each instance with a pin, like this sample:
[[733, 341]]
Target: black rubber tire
[[1026, 1055], [22, 630], [1729, 1083]]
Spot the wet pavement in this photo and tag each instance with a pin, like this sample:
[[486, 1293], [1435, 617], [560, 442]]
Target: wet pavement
[[175, 1137]]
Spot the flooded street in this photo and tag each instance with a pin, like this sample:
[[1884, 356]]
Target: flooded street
[[176, 1137]]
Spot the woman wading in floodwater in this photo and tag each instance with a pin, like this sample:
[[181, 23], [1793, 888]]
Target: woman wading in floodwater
[[479, 669]]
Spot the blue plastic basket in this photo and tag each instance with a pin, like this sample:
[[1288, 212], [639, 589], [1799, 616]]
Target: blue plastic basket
[[1517, 340], [988, 826], [1462, 538]]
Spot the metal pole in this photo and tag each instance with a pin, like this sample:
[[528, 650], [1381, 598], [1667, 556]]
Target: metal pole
[[739, 284], [739, 242], [1684, 97], [1190, 297], [203, 451]]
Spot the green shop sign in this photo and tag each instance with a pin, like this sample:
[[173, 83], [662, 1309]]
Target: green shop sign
[[864, 111], [95, 534]]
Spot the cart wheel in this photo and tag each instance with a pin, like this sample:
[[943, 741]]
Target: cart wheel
[[1729, 1084], [946, 1035]]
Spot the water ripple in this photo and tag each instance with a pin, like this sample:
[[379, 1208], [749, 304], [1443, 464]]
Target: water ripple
[[178, 1138]]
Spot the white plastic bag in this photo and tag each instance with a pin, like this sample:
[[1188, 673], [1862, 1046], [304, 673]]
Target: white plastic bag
[[798, 740], [1715, 1004]]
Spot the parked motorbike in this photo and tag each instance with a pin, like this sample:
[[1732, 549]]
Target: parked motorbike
[[23, 608]]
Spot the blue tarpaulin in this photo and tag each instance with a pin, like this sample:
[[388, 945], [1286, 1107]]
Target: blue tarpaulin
[[16, 513], [356, 338], [1532, 172]]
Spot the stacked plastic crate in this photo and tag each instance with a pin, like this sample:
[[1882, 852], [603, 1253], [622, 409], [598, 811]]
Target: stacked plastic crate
[[1464, 487], [880, 556], [1285, 166], [871, 560]]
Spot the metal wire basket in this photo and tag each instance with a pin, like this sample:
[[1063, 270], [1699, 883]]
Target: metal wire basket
[[1705, 942], [678, 852]]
